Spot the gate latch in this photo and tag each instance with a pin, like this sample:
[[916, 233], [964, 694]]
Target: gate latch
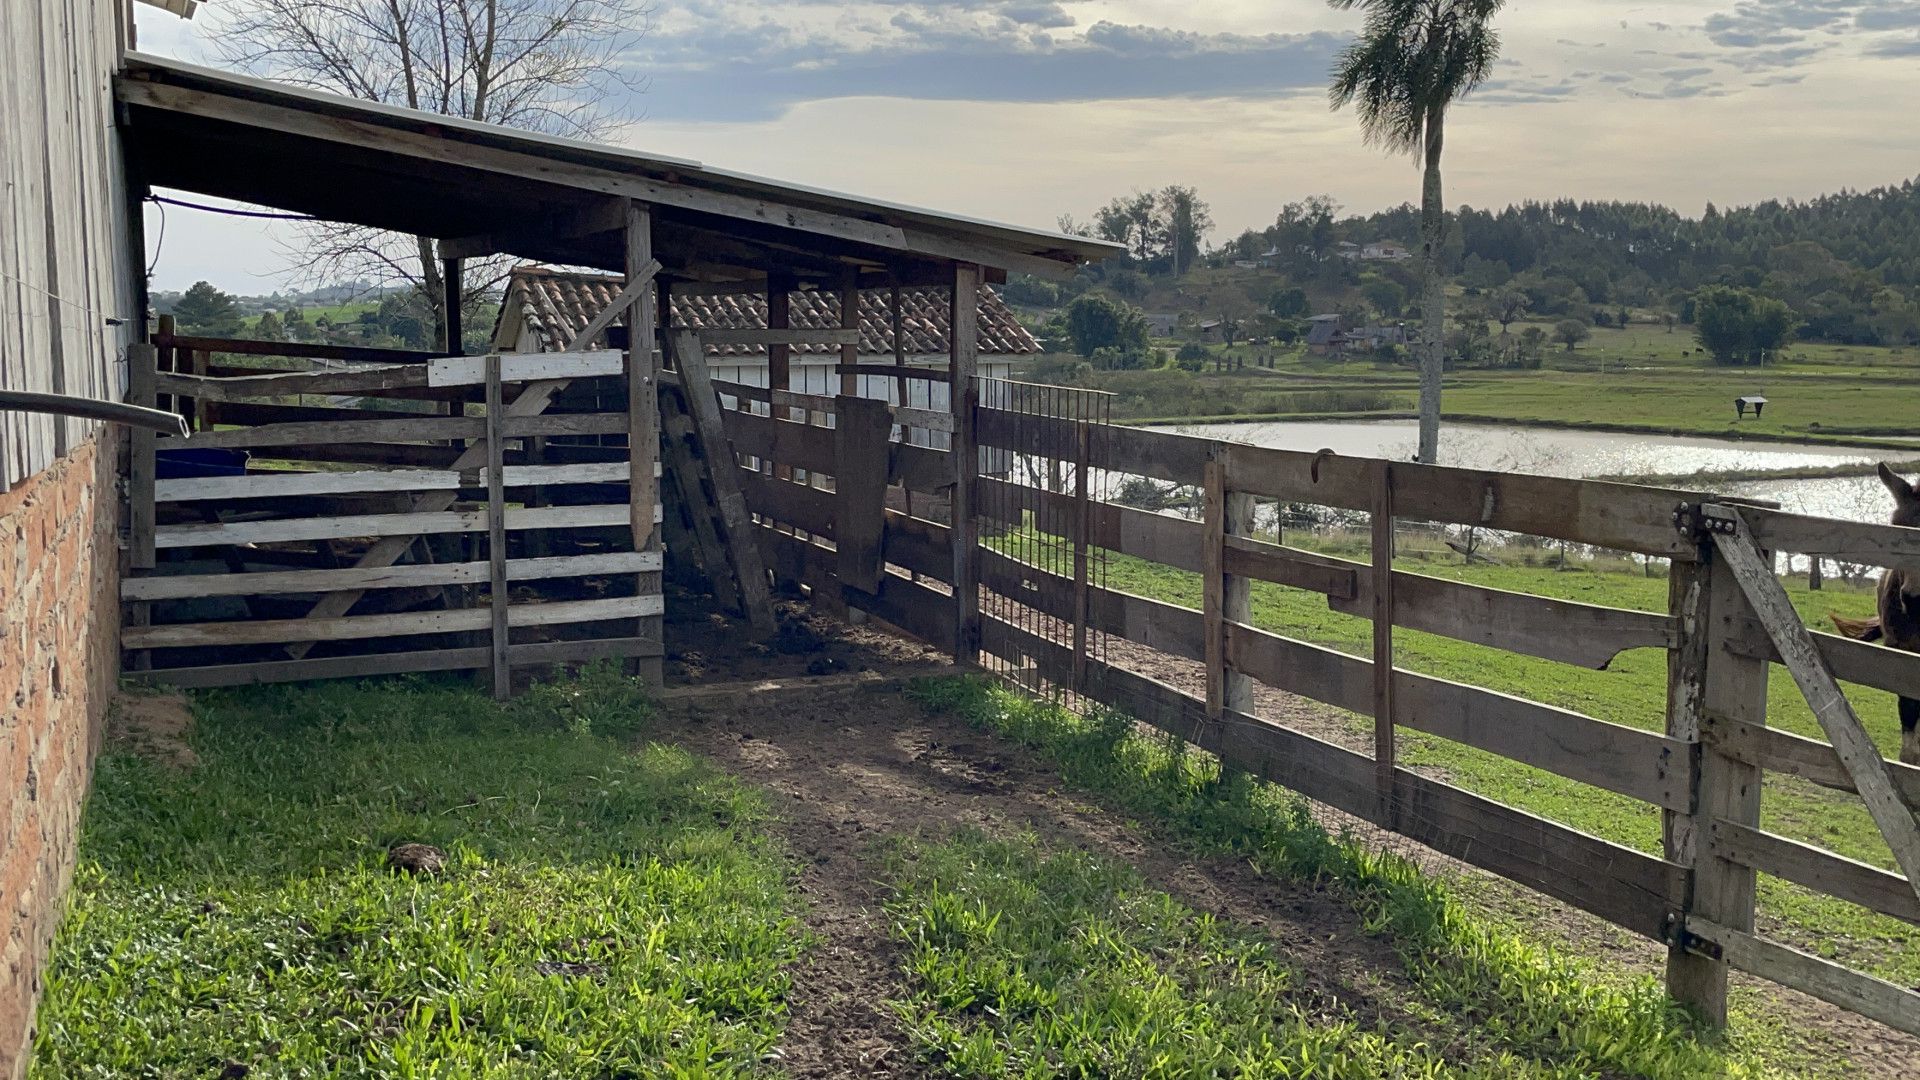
[[1680, 937]]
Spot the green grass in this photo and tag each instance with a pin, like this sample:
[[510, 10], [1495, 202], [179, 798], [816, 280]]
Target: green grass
[[607, 911], [1632, 691], [1029, 961], [1558, 1012], [1650, 380]]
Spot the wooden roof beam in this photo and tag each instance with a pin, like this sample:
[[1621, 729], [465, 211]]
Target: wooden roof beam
[[659, 192]]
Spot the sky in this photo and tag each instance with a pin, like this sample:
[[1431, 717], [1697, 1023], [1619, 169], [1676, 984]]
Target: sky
[[1022, 110]]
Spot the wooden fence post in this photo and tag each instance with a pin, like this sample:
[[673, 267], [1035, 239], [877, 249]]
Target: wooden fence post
[[643, 432], [1225, 597], [963, 402], [500, 639], [1731, 684], [1384, 753], [860, 437]]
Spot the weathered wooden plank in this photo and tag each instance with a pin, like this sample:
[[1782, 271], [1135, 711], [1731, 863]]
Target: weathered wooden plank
[[298, 349], [1639, 764], [963, 357], [1830, 706], [421, 575], [1822, 871], [1734, 686], [925, 419], [801, 446], [860, 490], [499, 636], [267, 485], [353, 627], [390, 663], [413, 429], [749, 569], [250, 387], [1386, 708], [526, 367], [1877, 999], [895, 371], [1682, 839], [1213, 578], [1624, 886], [1843, 541], [1589, 635], [1623, 516], [1339, 579], [331, 528], [1864, 662], [1810, 759]]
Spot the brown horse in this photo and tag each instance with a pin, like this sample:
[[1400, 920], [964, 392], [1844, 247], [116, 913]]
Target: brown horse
[[1898, 624]]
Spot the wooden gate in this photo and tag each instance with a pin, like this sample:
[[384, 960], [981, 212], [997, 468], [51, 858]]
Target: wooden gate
[[344, 511]]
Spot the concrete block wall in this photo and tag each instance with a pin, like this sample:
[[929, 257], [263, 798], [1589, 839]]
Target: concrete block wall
[[59, 664]]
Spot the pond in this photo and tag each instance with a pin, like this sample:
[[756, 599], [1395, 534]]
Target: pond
[[1570, 453]]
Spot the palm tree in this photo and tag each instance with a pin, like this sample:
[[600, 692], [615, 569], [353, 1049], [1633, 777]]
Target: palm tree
[[1412, 60]]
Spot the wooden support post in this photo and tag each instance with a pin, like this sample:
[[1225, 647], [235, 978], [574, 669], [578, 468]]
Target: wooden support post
[[779, 354], [1683, 835], [860, 437], [1383, 729], [899, 346], [963, 401], [500, 640], [643, 418], [1733, 686], [452, 333], [1213, 558], [850, 320]]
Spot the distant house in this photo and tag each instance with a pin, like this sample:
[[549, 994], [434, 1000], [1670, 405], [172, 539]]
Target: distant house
[[1324, 335], [1377, 251], [1269, 258], [1210, 332], [1246, 264], [1161, 325]]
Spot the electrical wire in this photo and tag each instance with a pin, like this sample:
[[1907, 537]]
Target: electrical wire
[[272, 215]]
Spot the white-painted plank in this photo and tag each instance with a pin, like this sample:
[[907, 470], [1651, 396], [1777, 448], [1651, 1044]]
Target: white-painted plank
[[526, 367], [352, 627], [276, 485], [190, 586], [444, 521]]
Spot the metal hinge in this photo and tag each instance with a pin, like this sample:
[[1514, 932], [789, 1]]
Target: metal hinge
[[1694, 519], [1680, 937]]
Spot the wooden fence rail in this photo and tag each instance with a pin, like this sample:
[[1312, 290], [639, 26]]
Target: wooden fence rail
[[1701, 772]]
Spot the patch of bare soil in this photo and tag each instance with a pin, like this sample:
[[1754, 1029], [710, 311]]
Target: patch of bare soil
[[152, 725], [1874, 1049], [849, 766]]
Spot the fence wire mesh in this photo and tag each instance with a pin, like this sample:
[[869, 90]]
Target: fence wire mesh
[[1036, 519]]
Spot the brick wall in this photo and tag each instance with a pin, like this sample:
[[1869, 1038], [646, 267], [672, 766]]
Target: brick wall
[[59, 660]]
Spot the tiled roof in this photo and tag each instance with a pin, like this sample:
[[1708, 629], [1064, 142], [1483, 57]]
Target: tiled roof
[[556, 304]]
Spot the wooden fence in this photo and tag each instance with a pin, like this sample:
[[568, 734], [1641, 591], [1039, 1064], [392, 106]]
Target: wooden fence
[[1726, 623], [326, 515]]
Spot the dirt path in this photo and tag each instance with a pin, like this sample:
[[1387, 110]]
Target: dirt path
[[848, 767]]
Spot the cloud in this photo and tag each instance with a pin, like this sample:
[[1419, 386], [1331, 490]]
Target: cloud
[[1899, 47], [1755, 24], [969, 50]]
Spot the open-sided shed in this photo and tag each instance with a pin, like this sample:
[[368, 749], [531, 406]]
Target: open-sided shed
[[345, 537]]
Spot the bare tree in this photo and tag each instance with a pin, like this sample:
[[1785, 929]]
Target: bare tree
[[553, 66]]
